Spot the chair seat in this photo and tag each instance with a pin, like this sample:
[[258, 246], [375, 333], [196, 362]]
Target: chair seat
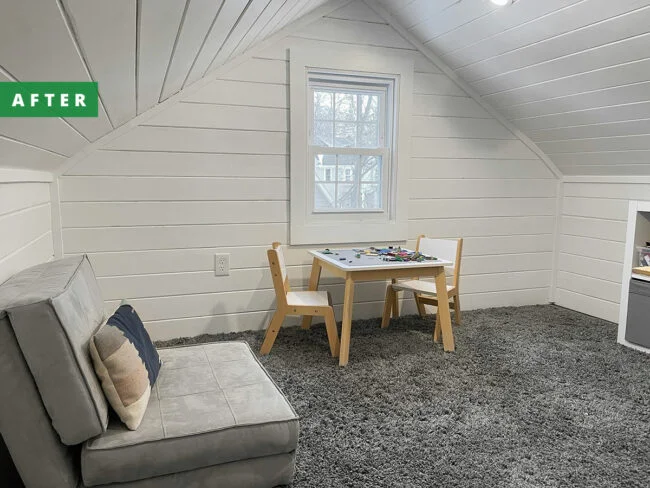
[[308, 299], [419, 286], [212, 404]]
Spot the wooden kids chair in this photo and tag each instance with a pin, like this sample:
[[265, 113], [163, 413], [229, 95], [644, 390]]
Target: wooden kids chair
[[312, 303], [424, 292]]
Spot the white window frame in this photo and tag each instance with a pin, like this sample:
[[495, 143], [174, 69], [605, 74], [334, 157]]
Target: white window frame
[[339, 227]]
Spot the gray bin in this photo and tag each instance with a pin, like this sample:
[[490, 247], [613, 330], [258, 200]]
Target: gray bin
[[637, 329]]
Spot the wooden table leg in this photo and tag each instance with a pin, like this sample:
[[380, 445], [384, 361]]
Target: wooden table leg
[[314, 278], [346, 327], [395, 301], [443, 310]]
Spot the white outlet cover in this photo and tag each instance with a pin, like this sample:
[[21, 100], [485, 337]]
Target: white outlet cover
[[222, 264]]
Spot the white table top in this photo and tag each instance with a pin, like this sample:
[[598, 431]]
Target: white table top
[[367, 263]]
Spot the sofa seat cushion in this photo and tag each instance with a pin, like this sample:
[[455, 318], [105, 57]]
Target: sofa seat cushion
[[212, 404]]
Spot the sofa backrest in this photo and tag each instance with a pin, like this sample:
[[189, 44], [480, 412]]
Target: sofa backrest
[[54, 309], [35, 448]]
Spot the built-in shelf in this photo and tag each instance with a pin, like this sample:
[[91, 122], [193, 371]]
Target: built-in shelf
[[638, 233]]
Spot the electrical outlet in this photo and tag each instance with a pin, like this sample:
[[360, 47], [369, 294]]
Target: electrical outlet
[[222, 264]]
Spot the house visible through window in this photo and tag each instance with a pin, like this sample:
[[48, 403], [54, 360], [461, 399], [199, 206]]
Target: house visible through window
[[350, 142]]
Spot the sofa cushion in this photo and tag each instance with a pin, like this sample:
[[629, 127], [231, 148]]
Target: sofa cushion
[[54, 309], [127, 363], [212, 404]]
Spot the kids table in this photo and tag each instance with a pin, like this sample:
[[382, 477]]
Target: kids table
[[353, 265]]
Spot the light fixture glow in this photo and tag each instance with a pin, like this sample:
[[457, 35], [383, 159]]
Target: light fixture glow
[[501, 3]]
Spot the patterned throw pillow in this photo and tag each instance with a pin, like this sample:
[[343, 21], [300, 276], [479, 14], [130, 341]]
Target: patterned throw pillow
[[127, 364]]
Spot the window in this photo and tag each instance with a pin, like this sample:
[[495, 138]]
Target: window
[[350, 129], [350, 136]]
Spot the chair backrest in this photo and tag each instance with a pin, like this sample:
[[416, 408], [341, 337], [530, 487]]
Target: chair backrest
[[278, 272], [448, 249]]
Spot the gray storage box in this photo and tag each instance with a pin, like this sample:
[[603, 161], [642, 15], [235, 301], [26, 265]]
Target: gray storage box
[[637, 329]]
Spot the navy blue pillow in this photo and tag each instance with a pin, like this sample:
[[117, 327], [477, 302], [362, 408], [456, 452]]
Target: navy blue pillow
[[128, 322]]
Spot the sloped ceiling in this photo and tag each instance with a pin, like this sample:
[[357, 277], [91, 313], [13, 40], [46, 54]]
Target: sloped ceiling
[[573, 75], [140, 52]]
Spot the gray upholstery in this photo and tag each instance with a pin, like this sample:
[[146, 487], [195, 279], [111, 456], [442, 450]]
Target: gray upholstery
[[212, 404], [54, 309], [267, 471], [37, 452]]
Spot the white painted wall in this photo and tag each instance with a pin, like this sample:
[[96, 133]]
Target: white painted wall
[[592, 242], [25, 226], [210, 174]]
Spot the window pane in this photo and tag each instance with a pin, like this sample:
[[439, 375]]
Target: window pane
[[368, 108], [324, 167], [370, 195], [345, 134], [324, 196], [323, 105], [368, 135], [371, 168], [346, 196], [345, 107], [323, 133]]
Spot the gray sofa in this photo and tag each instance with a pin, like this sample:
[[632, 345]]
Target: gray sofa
[[215, 417]]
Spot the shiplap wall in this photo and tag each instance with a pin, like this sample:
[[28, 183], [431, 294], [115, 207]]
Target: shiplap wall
[[592, 243], [26, 223], [210, 174]]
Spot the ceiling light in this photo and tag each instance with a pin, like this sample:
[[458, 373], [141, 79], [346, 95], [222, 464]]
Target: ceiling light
[[501, 3]]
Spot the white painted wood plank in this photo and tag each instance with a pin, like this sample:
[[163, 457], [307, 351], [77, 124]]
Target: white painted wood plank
[[633, 72], [104, 214], [227, 92], [435, 84], [458, 13], [464, 127], [19, 196], [620, 169], [593, 130], [592, 247], [478, 168], [588, 305], [18, 155], [586, 266], [115, 189], [611, 230], [437, 105], [244, 24], [418, 10], [49, 39], [201, 140], [196, 23], [618, 95], [538, 32], [496, 22], [360, 33], [481, 207], [159, 23], [222, 117], [475, 227], [479, 188], [225, 21], [596, 208], [534, 261], [22, 227], [357, 11], [275, 21], [619, 113], [170, 237], [602, 158], [607, 190], [618, 143], [259, 71], [32, 253], [262, 22], [593, 287], [155, 163], [111, 63], [425, 147]]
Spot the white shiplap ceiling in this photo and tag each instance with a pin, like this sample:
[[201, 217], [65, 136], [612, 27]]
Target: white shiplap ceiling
[[140, 51], [573, 75]]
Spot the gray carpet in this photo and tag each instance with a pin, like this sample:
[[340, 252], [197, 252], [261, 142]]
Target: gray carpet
[[534, 396]]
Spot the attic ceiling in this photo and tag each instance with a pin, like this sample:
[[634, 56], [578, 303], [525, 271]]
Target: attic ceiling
[[573, 75], [140, 52]]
